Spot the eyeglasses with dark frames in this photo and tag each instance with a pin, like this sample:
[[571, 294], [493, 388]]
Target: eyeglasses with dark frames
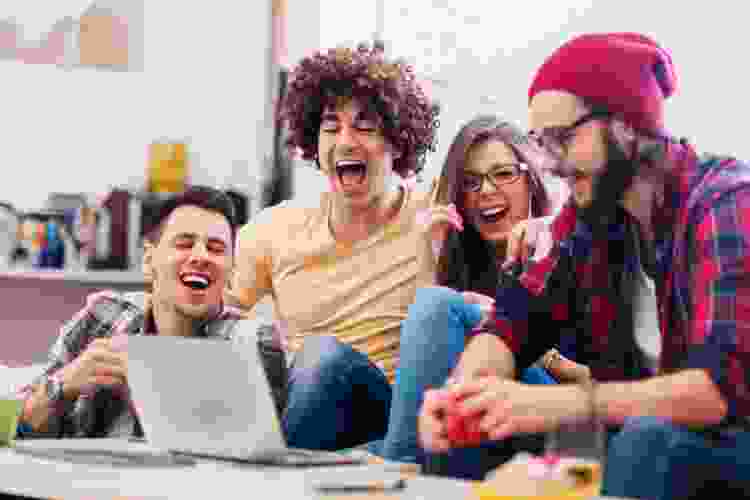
[[557, 139], [501, 175]]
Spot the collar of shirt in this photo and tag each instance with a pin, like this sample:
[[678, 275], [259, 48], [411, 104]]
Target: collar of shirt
[[204, 329]]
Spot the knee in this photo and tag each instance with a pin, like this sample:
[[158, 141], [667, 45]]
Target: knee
[[441, 302], [641, 437], [321, 355], [435, 297]]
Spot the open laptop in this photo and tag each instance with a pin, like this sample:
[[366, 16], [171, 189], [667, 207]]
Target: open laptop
[[211, 398], [195, 398]]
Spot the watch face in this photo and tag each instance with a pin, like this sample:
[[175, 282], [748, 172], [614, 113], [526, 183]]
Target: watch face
[[54, 390]]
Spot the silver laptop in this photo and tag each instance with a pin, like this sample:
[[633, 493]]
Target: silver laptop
[[211, 397]]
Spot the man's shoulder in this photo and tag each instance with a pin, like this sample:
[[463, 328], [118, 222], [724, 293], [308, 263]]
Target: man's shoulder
[[104, 313], [114, 300], [718, 175], [708, 162]]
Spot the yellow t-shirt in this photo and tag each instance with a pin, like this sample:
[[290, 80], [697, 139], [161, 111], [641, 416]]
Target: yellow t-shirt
[[359, 293]]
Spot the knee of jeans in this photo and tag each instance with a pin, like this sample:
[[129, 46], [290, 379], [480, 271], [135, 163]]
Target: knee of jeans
[[435, 301], [323, 354], [642, 436]]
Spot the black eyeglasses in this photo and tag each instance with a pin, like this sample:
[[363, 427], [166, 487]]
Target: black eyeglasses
[[556, 139], [502, 174]]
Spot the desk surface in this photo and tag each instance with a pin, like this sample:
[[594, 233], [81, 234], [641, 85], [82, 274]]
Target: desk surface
[[37, 477]]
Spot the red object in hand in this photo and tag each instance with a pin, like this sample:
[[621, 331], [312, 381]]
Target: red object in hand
[[462, 431]]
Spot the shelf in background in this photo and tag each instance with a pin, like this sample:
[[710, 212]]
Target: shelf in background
[[88, 278]]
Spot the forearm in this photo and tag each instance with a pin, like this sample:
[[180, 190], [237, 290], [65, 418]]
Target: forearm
[[689, 398], [486, 354], [427, 264]]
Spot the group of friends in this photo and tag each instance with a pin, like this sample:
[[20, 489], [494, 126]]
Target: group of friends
[[621, 299]]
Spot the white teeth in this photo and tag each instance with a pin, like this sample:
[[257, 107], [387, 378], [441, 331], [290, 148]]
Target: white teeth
[[195, 278], [491, 212], [349, 163]]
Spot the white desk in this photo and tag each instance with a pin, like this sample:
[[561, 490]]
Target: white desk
[[42, 478]]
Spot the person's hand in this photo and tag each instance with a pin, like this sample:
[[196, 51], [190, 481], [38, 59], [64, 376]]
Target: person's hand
[[486, 305], [443, 425], [506, 407], [462, 431], [432, 421], [529, 238], [437, 219], [103, 362]]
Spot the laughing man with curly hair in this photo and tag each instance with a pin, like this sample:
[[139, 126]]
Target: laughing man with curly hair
[[342, 271]]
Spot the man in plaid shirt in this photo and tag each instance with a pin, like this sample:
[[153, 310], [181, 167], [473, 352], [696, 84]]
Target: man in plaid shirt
[[643, 206], [83, 391]]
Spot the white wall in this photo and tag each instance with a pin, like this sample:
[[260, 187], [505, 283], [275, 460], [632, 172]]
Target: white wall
[[204, 75], [309, 29], [204, 79], [498, 54]]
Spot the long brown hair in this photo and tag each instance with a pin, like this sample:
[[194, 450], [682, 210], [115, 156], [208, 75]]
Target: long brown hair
[[467, 262]]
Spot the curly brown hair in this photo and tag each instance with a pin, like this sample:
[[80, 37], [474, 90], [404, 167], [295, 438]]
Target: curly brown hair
[[409, 118]]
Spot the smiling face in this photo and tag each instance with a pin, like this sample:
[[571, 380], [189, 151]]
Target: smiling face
[[354, 154], [190, 263], [494, 210]]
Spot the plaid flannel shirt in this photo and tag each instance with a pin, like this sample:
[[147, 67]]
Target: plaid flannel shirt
[[107, 411], [703, 282]]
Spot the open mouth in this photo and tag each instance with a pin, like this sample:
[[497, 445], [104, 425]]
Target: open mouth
[[351, 172], [492, 215], [195, 281]]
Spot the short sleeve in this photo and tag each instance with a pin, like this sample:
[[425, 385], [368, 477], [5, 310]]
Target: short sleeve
[[252, 277]]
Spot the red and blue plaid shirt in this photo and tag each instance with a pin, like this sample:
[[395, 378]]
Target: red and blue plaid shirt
[[703, 282]]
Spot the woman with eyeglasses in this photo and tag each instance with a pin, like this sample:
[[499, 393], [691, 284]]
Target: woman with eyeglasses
[[490, 182]]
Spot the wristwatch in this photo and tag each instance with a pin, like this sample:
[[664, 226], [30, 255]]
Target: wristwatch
[[54, 389]]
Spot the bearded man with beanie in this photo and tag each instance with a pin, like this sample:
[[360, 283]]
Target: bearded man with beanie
[[649, 220]]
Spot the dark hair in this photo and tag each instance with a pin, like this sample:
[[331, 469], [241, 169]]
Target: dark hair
[[467, 262], [203, 197], [409, 118]]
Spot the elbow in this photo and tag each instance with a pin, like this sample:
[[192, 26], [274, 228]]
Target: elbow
[[715, 407]]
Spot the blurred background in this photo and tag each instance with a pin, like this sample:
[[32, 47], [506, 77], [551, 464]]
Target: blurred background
[[111, 104]]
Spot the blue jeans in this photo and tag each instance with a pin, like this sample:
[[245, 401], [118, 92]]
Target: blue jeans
[[339, 399], [656, 460], [433, 338]]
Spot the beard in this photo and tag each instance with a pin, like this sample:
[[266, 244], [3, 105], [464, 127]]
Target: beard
[[608, 189]]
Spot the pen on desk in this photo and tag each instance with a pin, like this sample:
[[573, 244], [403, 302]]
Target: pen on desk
[[371, 487]]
